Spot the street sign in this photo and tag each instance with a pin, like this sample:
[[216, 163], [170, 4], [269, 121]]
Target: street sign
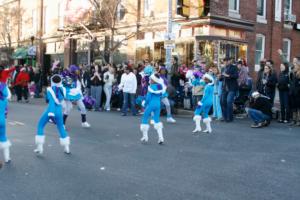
[[169, 44]]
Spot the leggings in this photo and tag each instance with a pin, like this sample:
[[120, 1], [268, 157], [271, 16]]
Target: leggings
[[3, 137], [59, 123], [147, 114], [67, 107], [166, 102]]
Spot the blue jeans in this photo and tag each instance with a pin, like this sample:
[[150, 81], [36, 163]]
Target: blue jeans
[[257, 116], [96, 92], [127, 97], [227, 100]]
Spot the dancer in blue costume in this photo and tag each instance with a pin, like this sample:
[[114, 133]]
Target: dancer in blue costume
[[4, 142], [54, 112], [165, 99], [74, 94], [214, 71], [205, 105], [152, 104]]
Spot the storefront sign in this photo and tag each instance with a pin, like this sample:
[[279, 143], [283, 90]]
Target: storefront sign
[[32, 51], [187, 32], [235, 34], [50, 48]]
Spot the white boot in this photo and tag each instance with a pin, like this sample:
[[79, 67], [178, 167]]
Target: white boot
[[197, 119], [171, 120], [208, 126], [65, 142], [158, 127], [145, 129], [39, 141], [5, 146], [85, 125]]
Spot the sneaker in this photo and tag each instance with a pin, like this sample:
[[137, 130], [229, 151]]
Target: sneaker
[[285, 121], [160, 141], [85, 125], [118, 109], [257, 125], [266, 123], [144, 139], [171, 120]]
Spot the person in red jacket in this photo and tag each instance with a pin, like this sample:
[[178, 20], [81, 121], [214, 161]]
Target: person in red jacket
[[5, 73], [21, 85]]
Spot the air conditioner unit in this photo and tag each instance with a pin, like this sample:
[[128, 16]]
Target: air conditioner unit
[[290, 18]]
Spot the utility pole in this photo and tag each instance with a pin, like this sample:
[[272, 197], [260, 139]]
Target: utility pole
[[169, 36]]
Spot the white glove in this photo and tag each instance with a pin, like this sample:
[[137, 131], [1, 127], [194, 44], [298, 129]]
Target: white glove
[[199, 103], [143, 103]]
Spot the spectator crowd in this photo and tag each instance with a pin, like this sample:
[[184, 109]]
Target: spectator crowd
[[235, 92]]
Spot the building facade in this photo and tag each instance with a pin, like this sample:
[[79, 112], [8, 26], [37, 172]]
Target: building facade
[[212, 30]]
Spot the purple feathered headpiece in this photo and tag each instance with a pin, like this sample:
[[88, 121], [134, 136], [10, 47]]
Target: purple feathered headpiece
[[198, 74], [73, 69]]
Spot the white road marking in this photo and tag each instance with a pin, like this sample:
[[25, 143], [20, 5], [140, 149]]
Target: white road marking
[[14, 123]]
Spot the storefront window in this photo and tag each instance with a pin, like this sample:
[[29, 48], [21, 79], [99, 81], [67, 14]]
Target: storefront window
[[260, 48], [159, 51], [185, 51], [143, 53], [218, 50]]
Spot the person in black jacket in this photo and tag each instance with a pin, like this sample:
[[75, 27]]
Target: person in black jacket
[[96, 78], [260, 110], [283, 87], [295, 94], [230, 87], [267, 82]]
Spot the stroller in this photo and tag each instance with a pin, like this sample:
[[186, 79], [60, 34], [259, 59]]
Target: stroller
[[242, 99]]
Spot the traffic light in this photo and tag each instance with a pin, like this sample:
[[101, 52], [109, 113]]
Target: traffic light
[[183, 8], [203, 8]]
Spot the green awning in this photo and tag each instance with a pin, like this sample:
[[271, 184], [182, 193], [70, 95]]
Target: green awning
[[20, 53]]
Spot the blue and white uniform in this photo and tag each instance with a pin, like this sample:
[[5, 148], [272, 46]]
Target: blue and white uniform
[[152, 104], [4, 142], [204, 106], [74, 95], [54, 112]]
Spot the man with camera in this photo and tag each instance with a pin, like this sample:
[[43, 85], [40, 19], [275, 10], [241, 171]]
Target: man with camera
[[260, 110]]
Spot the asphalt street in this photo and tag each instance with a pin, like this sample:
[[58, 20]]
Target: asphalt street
[[107, 162]]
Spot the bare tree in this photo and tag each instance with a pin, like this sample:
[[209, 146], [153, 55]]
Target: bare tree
[[110, 15], [9, 26]]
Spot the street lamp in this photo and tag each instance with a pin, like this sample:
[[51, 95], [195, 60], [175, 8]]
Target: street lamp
[[32, 40]]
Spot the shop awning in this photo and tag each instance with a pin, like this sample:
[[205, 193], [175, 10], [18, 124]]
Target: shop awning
[[20, 53]]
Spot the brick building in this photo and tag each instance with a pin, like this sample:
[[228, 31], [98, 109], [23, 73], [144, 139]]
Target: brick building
[[250, 29]]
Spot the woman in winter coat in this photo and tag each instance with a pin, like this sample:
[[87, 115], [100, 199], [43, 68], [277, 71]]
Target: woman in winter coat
[[283, 87], [295, 94], [268, 81]]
